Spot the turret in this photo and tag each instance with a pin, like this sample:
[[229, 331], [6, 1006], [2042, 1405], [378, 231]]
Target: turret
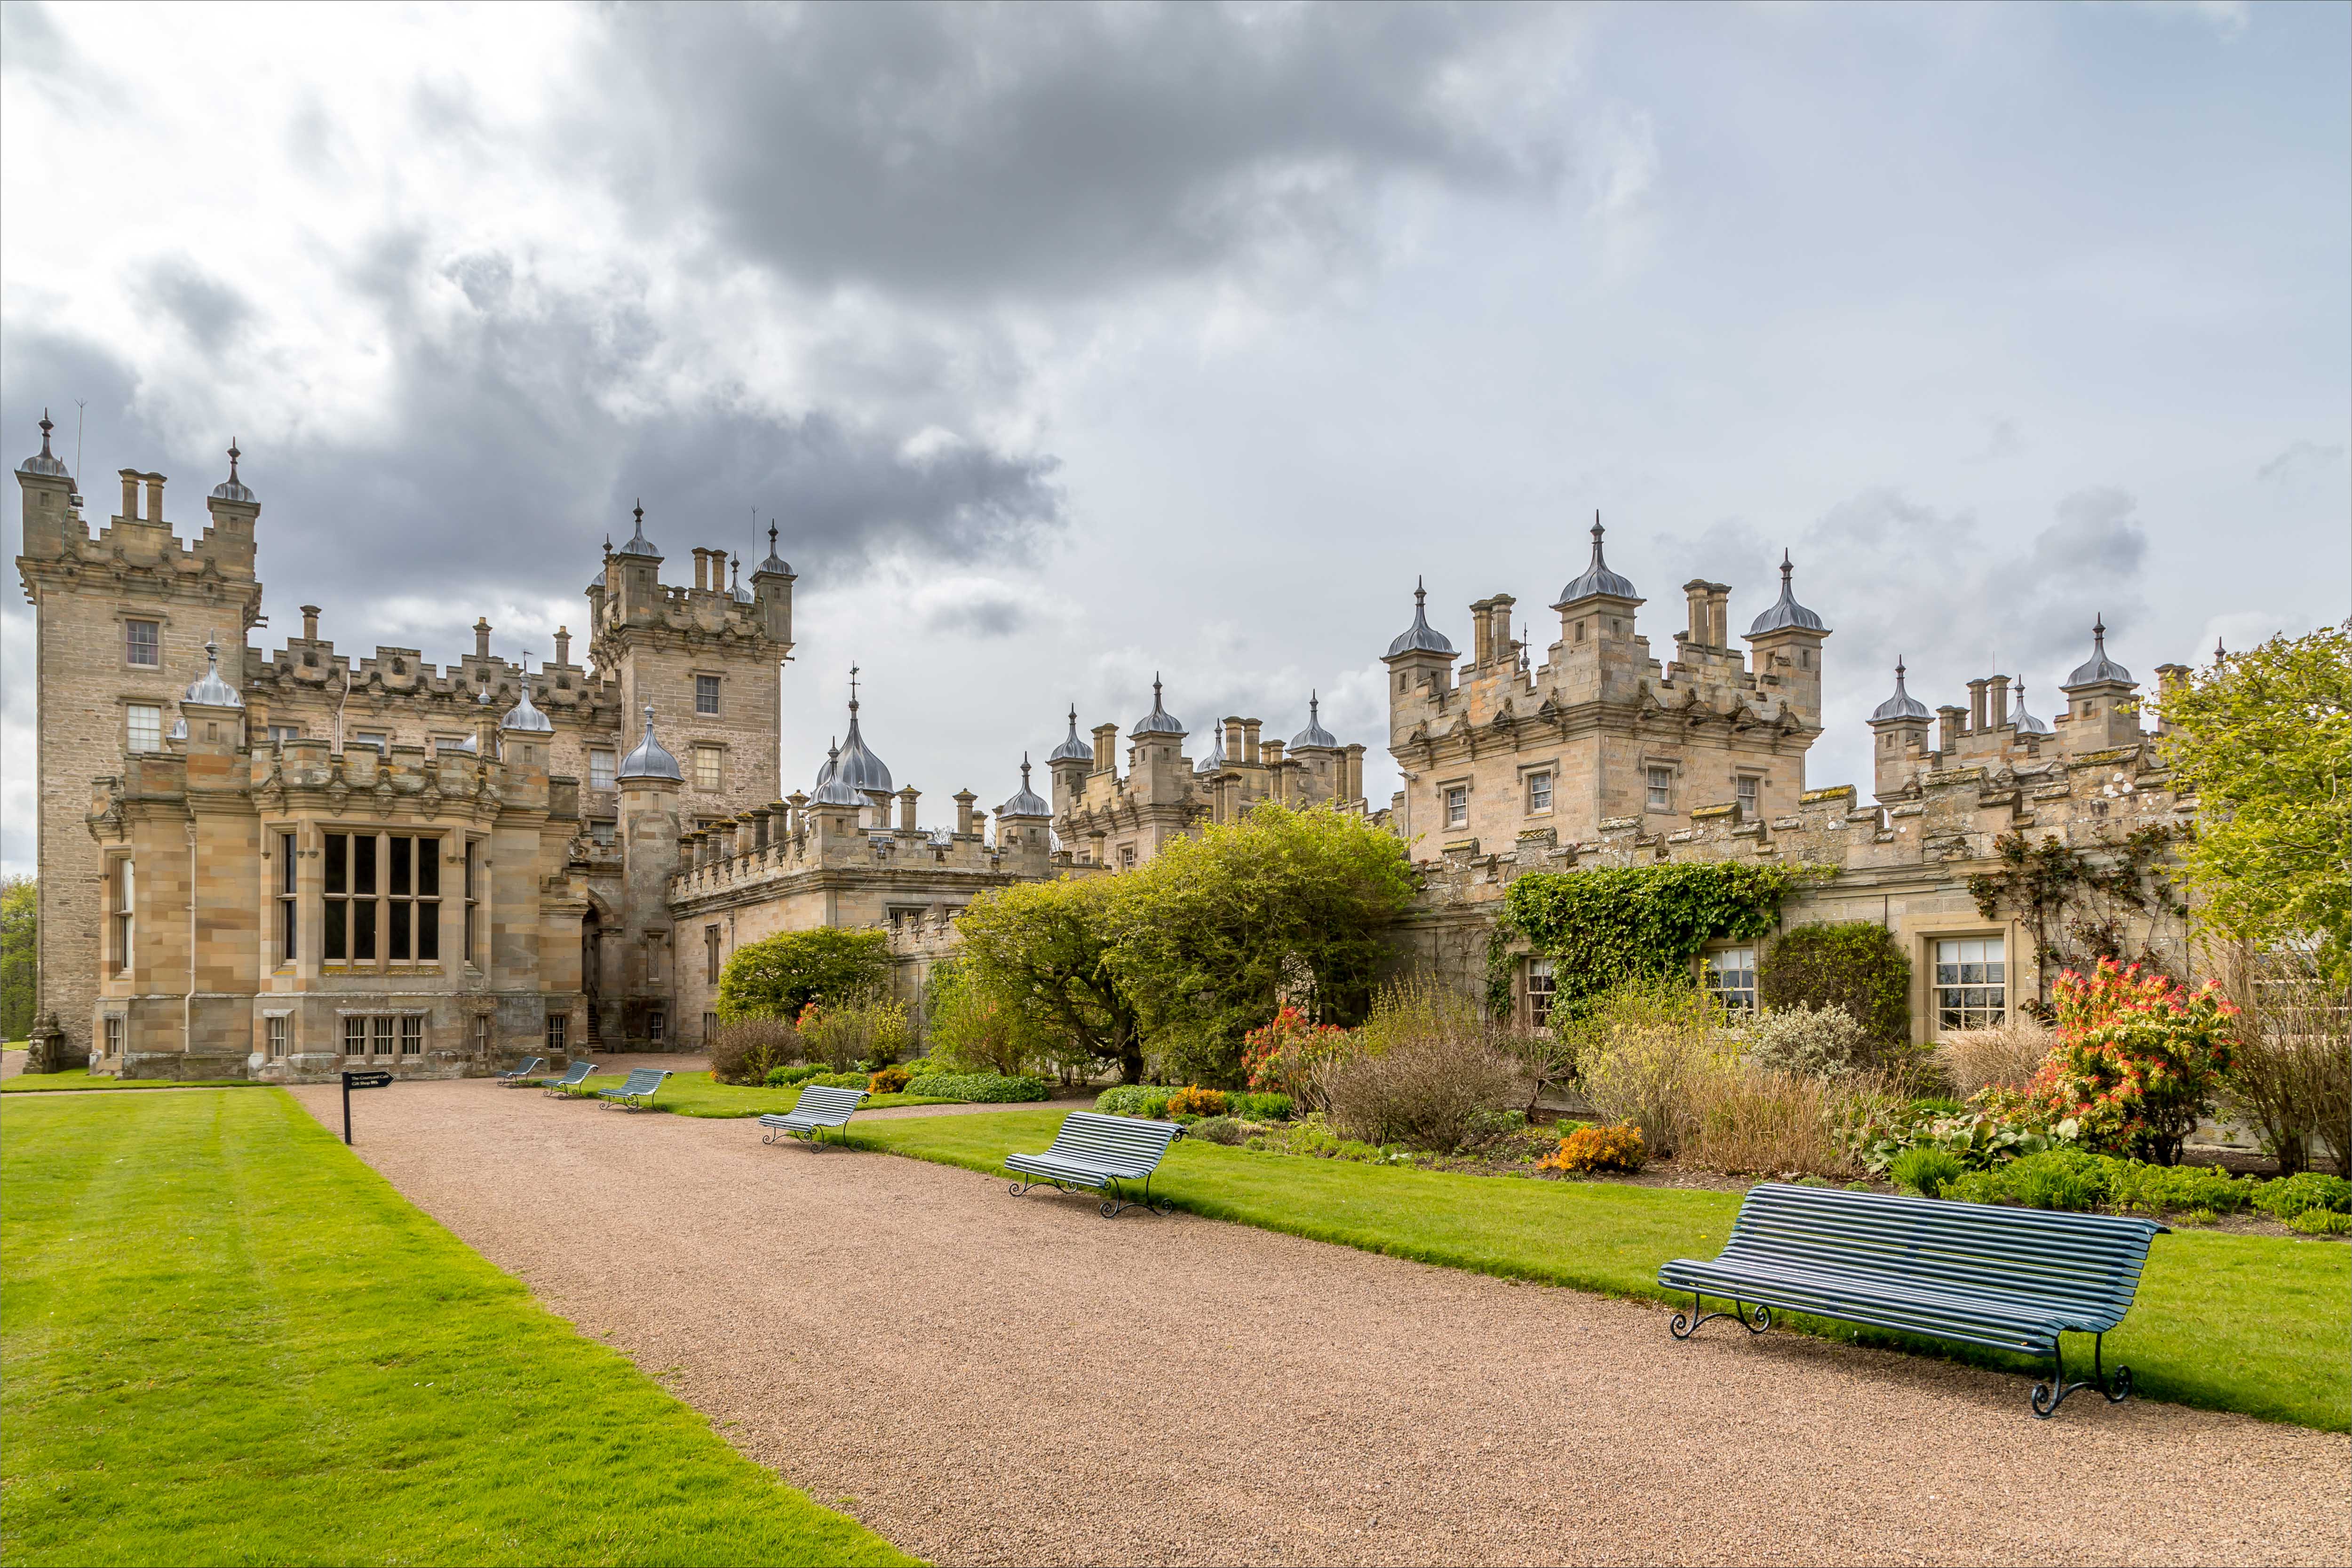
[[1787, 642], [2102, 705], [51, 510], [771, 589], [1069, 763], [1900, 727], [1023, 824], [636, 566]]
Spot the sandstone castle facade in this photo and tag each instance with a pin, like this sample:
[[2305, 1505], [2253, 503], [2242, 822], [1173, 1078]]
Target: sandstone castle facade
[[280, 863]]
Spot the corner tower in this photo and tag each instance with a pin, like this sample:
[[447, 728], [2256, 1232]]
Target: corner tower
[[121, 622]]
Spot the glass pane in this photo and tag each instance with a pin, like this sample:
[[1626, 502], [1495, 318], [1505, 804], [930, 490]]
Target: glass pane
[[400, 863], [411, 1035], [399, 932], [335, 953], [286, 929], [337, 849], [355, 1037], [384, 1035], [363, 864], [470, 870], [428, 867], [428, 933], [286, 855], [363, 928]]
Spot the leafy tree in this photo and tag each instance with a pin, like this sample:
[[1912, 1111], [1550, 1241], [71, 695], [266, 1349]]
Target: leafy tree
[[19, 926], [1855, 965], [1214, 933], [778, 977], [1041, 953], [2264, 739]]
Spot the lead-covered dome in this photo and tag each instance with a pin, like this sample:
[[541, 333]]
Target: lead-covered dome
[[1024, 802], [43, 462], [1073, 749], [638, 544], [1787, 613], [1420, 636], [2027, 724], [2098, 670], [524, 715], [232, 488], [855, 764], [1902, 705], [211, 692], [651, 759], [1315, 734], [1159, 721], [1597, 582], [831, 789]]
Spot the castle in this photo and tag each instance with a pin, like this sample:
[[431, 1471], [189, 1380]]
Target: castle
[[280, 864]]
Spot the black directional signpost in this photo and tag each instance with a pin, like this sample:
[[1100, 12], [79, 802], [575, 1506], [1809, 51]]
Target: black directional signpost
[[352, 1080]]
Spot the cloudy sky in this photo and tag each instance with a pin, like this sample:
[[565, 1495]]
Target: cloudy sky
[[1067, 344]]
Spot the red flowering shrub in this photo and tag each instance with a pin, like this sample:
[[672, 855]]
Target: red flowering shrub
[[2138, 1059], [1282, 1057]]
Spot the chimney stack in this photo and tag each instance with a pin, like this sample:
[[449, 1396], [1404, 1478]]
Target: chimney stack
[[131, 495], [1695, 594], [309, 623], [482, 637], [1977, 705], [963, 799], [1250, 727], [154, 497], [1951, 719], [1998, 690], [563, 645], [907, 798]]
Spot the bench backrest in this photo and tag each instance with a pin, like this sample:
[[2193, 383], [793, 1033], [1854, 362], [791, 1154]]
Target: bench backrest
[[1119, 1142], [645, 1080], [2088, 1263], [576, 1073], [820, 1099], [530, 1065]]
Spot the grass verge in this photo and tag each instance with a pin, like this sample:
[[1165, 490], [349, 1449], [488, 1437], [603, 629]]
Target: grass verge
[[226, 1340], [693, 1094], [2256, 1324], [80, 1078]]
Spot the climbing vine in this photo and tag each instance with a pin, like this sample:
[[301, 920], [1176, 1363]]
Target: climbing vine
[[1603, 926], [2078, 906], [1502, 969]]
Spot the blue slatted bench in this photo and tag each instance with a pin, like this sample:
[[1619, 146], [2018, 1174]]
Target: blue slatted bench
[[637, 1092], [2008, 1278], [513, 1077], [1099, 1153], [574, 1077], [817, 1106]]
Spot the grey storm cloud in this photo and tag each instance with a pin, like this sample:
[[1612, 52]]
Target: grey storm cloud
[[1065, 150], [211, 313], [503, 463]]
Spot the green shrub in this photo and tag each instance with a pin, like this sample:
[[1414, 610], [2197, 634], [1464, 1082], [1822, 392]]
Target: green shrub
[[778, 976], [1147, 1100], [748, 1049], [2321, 1222], [1926, 1171], [1261, 1107], [784, 1078], [1219, 1130], [1194, 1100], [1853, 964], [2055, 1179], [837, 1079], [1813, 1042], [979, 1088], [2135, 1186], [2300, 1195], [867, 1030]]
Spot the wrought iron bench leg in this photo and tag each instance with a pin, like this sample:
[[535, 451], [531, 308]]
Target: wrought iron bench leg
[[2048, 1396], [1685, 1324]]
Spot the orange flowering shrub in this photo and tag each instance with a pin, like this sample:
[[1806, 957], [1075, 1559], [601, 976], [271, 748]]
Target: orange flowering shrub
[[1599, 1149], [1197, 1102], [1281, 1057], [889, 1080], [2139, 1057]]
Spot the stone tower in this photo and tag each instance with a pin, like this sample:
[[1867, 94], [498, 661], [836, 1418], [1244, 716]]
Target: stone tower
[[707, 657], [122, 621]]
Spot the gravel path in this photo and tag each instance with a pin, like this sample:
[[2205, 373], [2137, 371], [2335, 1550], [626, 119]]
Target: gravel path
[[991, 1380]]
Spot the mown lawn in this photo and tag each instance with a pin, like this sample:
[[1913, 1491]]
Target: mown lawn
[[693, 1094], [2257, 1324], [80, 1078], [225, 1340]]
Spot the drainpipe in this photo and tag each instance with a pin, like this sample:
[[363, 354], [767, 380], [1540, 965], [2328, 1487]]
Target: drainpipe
[[188, 1003]]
